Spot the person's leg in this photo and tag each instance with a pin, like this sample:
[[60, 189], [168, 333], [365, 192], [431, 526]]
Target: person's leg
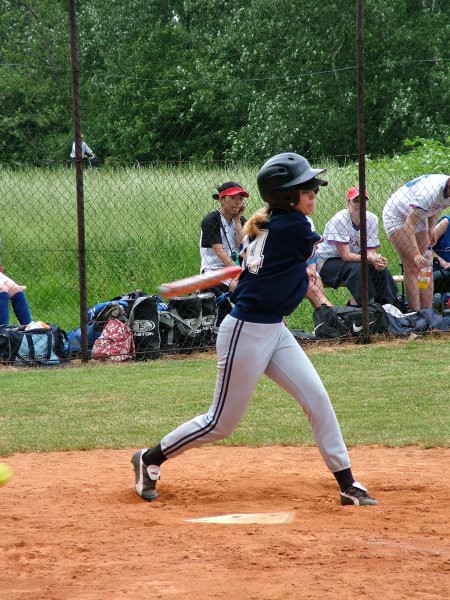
[[400, 242], [10, 286], [243, 351], [4, 308], [382, 287], [335, 271], [316, 293], [426, 295], [21, 308], [351, 278], [291, 369]]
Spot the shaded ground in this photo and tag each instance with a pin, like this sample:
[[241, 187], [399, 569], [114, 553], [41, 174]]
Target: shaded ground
[[72, 528]]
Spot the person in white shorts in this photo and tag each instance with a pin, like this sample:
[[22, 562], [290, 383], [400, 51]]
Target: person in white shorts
[[409, 219], [339, 254], [253, 339]]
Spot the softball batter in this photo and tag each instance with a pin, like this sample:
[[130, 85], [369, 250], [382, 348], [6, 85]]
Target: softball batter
[[253, 340]]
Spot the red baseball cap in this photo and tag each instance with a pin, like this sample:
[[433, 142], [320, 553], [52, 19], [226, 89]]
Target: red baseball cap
[[354, 193]]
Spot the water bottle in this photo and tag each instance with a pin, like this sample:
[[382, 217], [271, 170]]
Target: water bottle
[[426, 273]]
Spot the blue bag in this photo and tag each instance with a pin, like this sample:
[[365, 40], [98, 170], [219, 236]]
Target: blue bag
[[420, 321], [35, 347]]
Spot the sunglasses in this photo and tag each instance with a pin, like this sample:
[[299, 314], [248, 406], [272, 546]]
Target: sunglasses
[[315, 190]]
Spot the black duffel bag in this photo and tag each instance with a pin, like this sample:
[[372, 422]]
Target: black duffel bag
[[332, 322]]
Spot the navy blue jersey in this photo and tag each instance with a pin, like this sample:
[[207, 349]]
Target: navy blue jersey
[[274, 279], [442, 248]]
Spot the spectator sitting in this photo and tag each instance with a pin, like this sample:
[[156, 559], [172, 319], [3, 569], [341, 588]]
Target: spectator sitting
[[10, 290], [339, 254], [315, 293], [86, 153], [221, 236], [441, 253]]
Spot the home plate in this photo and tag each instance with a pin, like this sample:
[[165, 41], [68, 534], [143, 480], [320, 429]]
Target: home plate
[[247, 518]]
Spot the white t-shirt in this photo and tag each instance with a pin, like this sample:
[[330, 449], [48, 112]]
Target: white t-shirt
[[424, 196], [340, 230]]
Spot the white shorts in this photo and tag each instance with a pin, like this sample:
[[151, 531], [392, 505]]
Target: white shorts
[[9, 286], [393, 220]]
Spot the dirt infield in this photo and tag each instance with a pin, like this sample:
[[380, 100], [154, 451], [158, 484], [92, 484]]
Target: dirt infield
[[72, 527]]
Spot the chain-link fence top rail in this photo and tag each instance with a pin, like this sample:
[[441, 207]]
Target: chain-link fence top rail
[[178, 99]]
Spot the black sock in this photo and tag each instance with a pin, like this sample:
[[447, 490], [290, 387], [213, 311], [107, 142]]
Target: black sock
[[154, 456], [344, 478]]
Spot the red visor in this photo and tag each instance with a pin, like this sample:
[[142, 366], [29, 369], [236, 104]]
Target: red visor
[[233, 191]]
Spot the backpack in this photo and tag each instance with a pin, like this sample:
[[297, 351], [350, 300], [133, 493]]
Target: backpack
[[33, 347], [333, 322], [143, 319], [97, 316], [116, 342]]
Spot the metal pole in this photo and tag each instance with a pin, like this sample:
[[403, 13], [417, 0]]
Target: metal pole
[[76, 116], [362, 166]]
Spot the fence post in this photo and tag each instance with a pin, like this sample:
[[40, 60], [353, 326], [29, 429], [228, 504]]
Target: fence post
[[362, 166], [76, 116]]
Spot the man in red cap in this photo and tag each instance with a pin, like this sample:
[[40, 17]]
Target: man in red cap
[[339, 255]]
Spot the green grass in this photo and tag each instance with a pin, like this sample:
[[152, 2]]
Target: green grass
[[142, 228], [392, 395]]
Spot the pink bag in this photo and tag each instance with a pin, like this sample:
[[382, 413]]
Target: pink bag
[[115, 343]]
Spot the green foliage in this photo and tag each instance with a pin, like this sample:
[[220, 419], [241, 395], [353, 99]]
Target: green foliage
[[202, 80], [425, 155]]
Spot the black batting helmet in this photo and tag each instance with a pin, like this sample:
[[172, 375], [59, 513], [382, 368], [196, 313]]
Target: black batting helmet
[[286, 171]]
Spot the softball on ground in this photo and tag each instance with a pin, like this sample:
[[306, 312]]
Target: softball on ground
[[5, 473]]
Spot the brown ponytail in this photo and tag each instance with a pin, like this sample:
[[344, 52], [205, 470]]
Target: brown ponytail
[[257, 221]]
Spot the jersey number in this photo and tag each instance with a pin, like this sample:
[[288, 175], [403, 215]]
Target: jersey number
[[254, 256]]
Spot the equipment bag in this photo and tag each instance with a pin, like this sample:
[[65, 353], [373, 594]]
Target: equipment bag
[[187, 314], [35, 347], [144, 323], [167, 331], [98, 315], [333, 322], [115, 343], [420, 321], [209, 317]]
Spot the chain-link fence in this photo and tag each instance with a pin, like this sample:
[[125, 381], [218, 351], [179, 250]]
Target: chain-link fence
[[143, 228], [143, 218]]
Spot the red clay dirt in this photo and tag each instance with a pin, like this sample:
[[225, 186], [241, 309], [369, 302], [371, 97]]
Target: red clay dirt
[[72, 527]]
